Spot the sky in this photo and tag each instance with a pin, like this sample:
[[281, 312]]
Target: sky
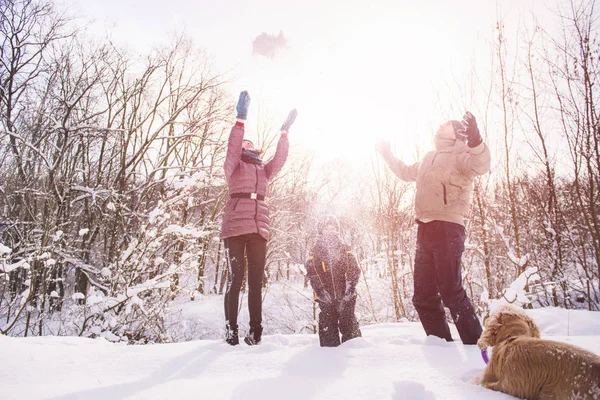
[[355, 70], [394, 361]]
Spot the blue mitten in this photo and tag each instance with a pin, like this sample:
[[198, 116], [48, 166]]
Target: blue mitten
[[242, 105], [289, 121]]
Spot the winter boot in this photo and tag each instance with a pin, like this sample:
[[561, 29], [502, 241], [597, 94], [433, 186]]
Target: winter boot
[[254, 336], [231, 335]]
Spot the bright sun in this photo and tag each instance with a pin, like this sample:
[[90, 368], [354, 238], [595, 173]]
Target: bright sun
[[370, 81]]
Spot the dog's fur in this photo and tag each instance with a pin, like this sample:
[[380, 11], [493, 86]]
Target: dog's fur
[[527, 367]]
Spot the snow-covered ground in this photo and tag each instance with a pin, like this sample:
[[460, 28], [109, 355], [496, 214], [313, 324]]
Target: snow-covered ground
[[391, 361]]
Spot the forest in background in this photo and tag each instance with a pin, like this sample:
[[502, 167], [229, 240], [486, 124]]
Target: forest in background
[[112, 187]]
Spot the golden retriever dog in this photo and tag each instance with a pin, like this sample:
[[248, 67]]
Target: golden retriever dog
[[527, 367]]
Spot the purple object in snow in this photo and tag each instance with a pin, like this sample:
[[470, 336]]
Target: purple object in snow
[[485, 356]]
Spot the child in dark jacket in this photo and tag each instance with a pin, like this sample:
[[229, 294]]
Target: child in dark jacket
[[333, 273]]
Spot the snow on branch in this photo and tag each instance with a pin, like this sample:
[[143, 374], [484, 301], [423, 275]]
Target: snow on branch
[[183, 231], [517, 292]]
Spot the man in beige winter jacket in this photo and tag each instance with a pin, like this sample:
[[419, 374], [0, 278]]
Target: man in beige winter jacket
[[444, 179]]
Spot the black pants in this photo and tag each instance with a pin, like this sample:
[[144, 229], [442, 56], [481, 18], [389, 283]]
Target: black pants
[[254, 247], [438, 278], [333, 321]]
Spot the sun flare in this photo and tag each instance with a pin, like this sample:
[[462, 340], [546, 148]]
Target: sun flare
[[372, 81]]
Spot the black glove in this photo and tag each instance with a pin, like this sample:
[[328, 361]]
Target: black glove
[[289, 121], [324, 297], [470, 130]]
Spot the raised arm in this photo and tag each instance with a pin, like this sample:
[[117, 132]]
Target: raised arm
[[234, 145], [234, 149], [273, 166], [478, 160], [405, 172]]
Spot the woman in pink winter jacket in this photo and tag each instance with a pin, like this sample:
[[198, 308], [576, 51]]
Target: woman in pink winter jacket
[[245, 229]]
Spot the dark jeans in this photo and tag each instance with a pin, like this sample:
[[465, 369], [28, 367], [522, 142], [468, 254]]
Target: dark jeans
[[254, 247], [333, 321], [438, 278]]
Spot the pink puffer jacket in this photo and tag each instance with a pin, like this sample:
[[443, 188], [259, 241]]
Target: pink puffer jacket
[[246, 215]]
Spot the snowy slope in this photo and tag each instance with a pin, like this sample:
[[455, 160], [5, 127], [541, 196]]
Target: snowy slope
[[391, 361]]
